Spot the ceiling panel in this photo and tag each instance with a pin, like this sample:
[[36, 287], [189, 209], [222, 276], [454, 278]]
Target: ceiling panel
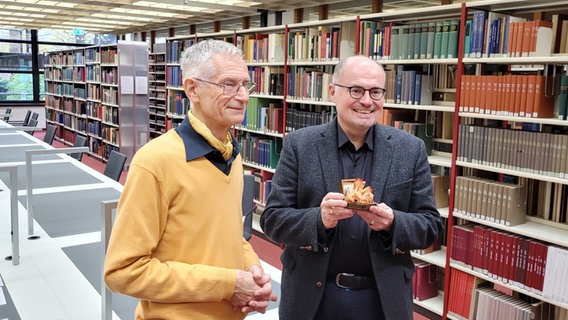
[[127, 16]]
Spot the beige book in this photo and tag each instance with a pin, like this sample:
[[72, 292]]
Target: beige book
[[515, 200]]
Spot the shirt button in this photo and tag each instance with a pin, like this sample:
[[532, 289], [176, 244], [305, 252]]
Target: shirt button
[[319, 284]]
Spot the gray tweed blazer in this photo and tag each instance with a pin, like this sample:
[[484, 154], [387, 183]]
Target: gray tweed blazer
[[307, 170]]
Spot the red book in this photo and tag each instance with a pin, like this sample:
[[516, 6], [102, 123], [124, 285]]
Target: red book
[[462, 237], [425, 280], [492, 255], [543, 103], [386, 42], [478, 247], [542, 251], [514, 259], [486, 250], [531, 266], [522, 262]]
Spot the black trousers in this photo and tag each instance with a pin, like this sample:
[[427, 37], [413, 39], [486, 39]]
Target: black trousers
[[344, 304]]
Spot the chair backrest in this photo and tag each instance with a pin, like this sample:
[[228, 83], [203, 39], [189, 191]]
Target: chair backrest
[[248, 205], [27, 118], [80, 141], [33, 123], [35, 115], [50, 133], [115, 165], [8, 111]]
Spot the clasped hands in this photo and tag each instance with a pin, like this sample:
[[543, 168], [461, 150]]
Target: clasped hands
[[333, 208], [253, 290]]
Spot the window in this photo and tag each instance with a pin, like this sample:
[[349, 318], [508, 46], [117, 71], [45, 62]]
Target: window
[[16, 87], [22, 58]]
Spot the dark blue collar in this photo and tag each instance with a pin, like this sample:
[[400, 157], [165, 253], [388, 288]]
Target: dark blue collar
[[196, 146]]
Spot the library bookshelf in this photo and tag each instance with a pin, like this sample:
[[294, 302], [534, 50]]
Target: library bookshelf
[[157, 90], [508, 230], [100, 92], [432, 92]]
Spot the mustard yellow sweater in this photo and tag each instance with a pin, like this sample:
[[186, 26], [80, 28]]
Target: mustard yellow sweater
[[177, 238]]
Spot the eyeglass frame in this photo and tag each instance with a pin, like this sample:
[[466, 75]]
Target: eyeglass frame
[[223, 86], [364, 90]]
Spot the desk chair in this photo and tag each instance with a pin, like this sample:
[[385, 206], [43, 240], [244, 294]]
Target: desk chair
[[7, 112], [34, 116], [22, 122], [248, 205], [115, 165], [50, 133], [80, 141], [32, 123]]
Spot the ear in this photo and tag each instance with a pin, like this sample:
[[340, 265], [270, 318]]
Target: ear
[[190, 88], [331, 89]]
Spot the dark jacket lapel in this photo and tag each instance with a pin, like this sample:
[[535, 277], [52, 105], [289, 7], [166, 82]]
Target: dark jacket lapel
[[328, 156], [384, 149]]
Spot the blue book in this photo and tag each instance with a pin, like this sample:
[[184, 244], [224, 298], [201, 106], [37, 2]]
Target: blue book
[[417, 88]]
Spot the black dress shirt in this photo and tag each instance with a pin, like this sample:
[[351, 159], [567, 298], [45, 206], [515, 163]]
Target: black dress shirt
[[350, 249]]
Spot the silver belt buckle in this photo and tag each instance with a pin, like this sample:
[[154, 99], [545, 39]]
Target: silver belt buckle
[[338, 278]]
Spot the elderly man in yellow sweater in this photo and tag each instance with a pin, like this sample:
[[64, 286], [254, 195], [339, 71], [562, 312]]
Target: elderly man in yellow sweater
[[177, 243]]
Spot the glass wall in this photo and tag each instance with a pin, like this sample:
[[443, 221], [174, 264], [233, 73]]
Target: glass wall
[[22, 56]]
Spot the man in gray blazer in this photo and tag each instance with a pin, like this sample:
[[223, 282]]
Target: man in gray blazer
[[341, 263]]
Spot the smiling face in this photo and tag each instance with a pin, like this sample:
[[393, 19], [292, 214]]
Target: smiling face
[[356, 116], [208, 103]]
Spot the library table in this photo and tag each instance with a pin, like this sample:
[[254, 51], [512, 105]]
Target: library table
[[58, 192]]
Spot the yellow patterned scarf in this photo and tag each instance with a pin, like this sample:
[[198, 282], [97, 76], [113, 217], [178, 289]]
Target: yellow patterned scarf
[[226, 148]]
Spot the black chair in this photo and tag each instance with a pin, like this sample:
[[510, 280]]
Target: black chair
[[248, 205], [22, 122], [34, 116], [32, 123], [26, 119], [115, 165], [80, 141], [50, 133], [7, 112]]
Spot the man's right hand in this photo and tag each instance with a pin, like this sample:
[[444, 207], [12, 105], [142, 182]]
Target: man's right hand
[[333, 209]]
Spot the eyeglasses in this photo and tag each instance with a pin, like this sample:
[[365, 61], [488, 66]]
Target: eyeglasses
[[231, 89], [358, 92]]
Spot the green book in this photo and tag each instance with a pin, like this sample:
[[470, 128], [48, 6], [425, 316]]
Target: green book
[[425, 132], [411, 41], [430, 41], [467, 39], [403, 43], [396, 34], [423, 40], [562, 100], [417, 40], [275, 148], [452, 51], [445, 39], [438, 40]]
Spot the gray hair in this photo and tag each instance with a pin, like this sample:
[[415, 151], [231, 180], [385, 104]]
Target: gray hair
[[196, 59], [341, 65]]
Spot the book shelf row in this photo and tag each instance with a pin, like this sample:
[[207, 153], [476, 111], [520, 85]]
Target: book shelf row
[[96, 91], [541, 153]]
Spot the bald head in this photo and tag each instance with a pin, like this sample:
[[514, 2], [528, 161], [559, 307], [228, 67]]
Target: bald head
[[356, 65]]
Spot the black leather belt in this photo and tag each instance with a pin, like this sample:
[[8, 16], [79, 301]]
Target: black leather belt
[[351, 281]]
